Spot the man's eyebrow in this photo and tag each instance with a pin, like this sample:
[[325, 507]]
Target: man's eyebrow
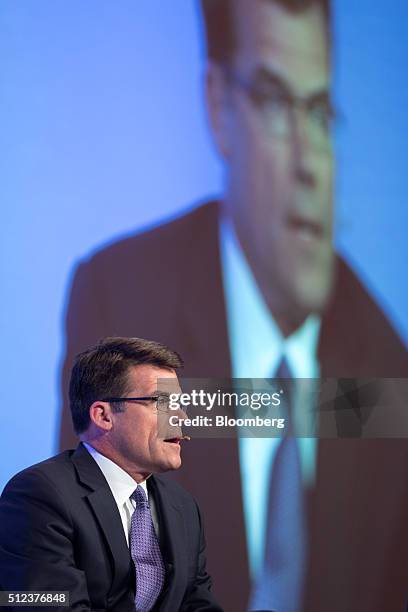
[[270, 77], [322, 96]]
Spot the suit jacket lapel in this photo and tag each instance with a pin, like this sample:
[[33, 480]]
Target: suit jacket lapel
[[173, 541], [107, 514]]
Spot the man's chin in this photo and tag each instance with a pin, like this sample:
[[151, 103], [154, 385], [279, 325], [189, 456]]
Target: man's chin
[[304, 300], [313, 289], [170, 462], [168, 467], [313, 299]]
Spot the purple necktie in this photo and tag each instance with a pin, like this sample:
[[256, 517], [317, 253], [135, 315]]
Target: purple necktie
[[146, 554]]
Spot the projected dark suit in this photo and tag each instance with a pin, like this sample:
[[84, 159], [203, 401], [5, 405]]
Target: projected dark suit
[[166, 284]]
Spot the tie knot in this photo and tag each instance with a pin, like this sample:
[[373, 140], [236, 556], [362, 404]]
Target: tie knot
[[139, 495], [286, 384], [283, 370]]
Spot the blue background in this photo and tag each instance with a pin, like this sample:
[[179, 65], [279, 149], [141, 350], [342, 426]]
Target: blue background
[[104, 131]]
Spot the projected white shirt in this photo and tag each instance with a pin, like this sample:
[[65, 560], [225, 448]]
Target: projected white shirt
[[257, 347]]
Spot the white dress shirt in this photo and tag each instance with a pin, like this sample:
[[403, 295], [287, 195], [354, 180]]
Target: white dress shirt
[[257, 347], [122, 486]]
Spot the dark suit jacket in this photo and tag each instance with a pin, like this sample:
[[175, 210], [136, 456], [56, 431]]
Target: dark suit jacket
[[166, 284], [60, 529]]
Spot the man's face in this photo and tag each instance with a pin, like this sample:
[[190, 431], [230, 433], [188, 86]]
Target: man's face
[[134, 434], [279, 164]]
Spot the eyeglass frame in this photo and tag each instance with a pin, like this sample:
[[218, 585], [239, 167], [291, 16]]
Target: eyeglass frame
[[290, 100], [145, 398]]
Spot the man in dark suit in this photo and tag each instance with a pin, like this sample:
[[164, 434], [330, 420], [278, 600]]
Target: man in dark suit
[[270, 237], [99, 522]]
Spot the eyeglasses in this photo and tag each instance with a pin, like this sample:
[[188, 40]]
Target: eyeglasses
[[277, 105], [162, 401]]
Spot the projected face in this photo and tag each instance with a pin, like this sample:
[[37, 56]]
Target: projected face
[[272, 118]]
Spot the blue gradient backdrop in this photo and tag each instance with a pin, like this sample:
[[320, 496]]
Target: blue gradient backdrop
[[103, 131]]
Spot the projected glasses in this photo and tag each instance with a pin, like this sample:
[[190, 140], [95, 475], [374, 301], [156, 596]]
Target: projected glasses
[[279, 107]]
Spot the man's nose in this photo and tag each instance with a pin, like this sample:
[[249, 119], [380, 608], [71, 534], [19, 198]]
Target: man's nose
[[170, 423], [180, 413], [304, 154]]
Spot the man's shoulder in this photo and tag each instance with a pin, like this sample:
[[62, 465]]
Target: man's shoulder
[[357, 336], [155, 262], [173, 236], [45, 475]]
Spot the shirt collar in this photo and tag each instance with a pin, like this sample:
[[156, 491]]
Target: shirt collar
[[120, 482], [256, 342]]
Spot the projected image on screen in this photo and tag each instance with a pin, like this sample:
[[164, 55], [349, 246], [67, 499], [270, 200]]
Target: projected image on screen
[[251, 285], [255, 283]]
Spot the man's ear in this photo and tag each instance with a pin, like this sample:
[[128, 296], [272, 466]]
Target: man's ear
[[218, 107], [100, 414]]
